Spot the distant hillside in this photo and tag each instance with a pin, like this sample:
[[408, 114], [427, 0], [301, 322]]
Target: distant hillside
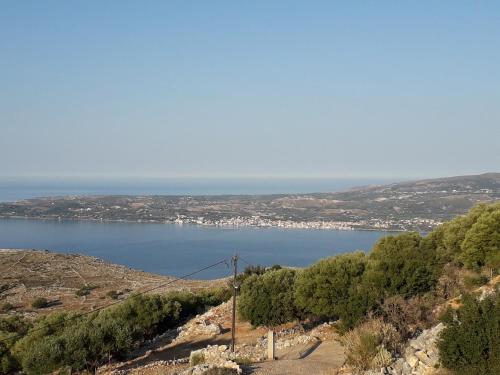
[[415, 205], [73, 281]]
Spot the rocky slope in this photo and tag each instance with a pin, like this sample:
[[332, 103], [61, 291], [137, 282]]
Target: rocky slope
[[29, 274]]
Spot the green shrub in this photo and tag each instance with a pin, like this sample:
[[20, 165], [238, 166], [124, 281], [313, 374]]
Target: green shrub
[[196, 303], [470, 343], [196, 359], [481, 245], [10, 330], [331, 289], [84, 342], [40, 303], [268, 299], [473, 281], [84, 290], [113, 294], [401, 265], [249, 271], [213, 297], [472, 239]]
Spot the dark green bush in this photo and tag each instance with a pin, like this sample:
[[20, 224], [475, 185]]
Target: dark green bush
[[472, 239], [196, 303], [481, 245], [40, 303], [268, 299], [331, 289], [470, 344], [401, 265], [83, 342], [10, 329], [84, 290], [474, 281], [113, 294], [249, 271]]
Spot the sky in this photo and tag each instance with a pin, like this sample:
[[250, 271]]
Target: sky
[[256, 88]]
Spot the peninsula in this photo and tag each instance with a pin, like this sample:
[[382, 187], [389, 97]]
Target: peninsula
[[416, 205]]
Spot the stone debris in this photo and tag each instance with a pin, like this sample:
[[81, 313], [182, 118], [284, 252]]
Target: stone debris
[[152, 365], [201, 328], [213, 356], [296, 336], [207, 324], [210, 324], [200, 369], [419, 357]]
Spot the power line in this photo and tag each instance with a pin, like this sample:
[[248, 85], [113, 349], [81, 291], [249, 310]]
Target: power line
[[244, 261], [117, 302]]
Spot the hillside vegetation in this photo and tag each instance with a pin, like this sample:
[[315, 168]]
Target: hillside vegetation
[[405, 281], [380, 300], [83, 342]]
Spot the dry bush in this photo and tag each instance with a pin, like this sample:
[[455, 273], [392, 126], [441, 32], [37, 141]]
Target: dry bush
[[410, 315], [371, 345], [449, 284]]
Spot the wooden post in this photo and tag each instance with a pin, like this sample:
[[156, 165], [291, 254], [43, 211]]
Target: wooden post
[[270, 345], [234, 261]]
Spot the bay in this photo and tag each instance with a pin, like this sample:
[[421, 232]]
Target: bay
[[176, 250]]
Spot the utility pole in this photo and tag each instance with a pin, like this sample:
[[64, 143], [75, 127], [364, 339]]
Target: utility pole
[[234, 262]]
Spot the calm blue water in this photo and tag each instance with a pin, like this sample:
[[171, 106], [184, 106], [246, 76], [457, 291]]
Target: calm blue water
[[170, 249], [178, 250], [12, 189]]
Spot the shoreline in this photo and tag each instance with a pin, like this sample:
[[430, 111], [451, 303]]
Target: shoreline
[[320, 226]]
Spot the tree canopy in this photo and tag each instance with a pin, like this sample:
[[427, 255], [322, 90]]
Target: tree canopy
[[330, 288]]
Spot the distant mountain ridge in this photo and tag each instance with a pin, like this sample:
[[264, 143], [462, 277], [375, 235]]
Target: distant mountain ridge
[[485, 180], [412, 205]]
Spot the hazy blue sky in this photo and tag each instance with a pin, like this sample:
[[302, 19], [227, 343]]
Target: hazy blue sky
[[310, 88]]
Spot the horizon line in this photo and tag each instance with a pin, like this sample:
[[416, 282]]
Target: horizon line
[[235, 176]]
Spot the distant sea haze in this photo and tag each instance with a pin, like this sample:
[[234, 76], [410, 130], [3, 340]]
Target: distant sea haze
[[12, 189]]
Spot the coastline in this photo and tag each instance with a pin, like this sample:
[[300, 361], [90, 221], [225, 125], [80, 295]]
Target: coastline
[[314, 225]]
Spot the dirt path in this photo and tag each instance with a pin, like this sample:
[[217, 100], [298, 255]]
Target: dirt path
[[164, 351], [325, 359], [7, 271], [320, 354]]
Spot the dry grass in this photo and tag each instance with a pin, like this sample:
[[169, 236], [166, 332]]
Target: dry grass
[[28, 274]]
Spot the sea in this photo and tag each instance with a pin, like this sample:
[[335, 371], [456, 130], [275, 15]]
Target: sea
[[178, 250]]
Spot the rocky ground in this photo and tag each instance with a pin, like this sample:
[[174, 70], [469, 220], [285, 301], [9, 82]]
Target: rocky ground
[[29, 274], [420, 356], [299, 349], [208, 336]]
